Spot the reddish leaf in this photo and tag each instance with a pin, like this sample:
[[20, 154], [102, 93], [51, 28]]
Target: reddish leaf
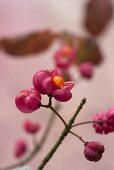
[[88, 51], [28, 44], [98, 14]]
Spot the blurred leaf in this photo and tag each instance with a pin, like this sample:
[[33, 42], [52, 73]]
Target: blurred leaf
[[28, 44], [69, 38], [88, 51], [98, 14]]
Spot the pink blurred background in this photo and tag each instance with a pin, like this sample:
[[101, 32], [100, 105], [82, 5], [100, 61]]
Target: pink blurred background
[[19, 17]]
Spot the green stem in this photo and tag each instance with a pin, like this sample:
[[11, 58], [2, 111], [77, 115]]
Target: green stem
[[54, 110], [61, 138], [79, 137], [83, 123], [89, 122]]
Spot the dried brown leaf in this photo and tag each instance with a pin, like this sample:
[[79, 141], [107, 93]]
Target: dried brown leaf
[[98, 14], [88, 51], [28, 44]]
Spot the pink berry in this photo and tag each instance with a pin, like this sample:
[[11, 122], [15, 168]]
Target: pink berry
[[86, 70], [27, 101], [93, 151], [20, 148], [51, 83], [31, 127]]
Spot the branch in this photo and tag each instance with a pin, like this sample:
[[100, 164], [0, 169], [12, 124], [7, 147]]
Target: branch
[[74, 134], [61, 138]]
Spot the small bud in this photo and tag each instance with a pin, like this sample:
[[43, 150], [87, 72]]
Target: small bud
[[20, 148], [86, 70], [93, 151], [31, 127], [27, 101]]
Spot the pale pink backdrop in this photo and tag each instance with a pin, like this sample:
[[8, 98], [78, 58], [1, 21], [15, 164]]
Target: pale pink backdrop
[[19, 17]]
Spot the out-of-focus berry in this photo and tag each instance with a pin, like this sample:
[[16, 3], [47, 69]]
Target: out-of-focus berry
[[64, 57], [31, 127], [86, 70], [20, 148]]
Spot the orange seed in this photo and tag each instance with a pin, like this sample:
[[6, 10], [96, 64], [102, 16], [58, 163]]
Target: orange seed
[[58, 81]]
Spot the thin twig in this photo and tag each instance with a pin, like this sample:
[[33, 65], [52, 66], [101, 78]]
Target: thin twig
[[79, 137], [54, 110], [74, 134], [89, 122]]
